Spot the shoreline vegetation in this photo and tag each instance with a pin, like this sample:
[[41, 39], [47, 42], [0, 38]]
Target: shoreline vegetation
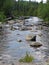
[[28, 58], [12, 9]]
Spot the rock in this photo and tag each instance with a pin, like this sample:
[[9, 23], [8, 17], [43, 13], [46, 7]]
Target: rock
[[12, 64], [19, 40], [3, 62], [16, 27], [1, 26], [47, 60], [31, 38], [18, 34], [1, 58], [35, 44], [11, 22], [6, 25], [40, 34], [39, 28], [12, 28], [23, 28]]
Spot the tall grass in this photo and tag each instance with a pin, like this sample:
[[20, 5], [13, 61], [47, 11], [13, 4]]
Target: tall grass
[[28, 58]]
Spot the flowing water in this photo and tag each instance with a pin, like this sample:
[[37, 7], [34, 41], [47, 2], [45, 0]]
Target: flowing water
[[9, 45]]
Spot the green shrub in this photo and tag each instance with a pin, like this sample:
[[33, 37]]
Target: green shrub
[[27, 58], [2, 17]]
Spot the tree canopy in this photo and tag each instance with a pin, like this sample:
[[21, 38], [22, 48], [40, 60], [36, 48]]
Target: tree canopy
[[15, 8]]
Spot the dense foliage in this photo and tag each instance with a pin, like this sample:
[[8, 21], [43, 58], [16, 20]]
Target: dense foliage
[[43, 10], [10, 8]]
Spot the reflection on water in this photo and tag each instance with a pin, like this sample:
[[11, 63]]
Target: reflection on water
[[9, 43]]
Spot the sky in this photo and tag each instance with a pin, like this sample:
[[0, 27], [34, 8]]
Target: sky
[[37, 0]]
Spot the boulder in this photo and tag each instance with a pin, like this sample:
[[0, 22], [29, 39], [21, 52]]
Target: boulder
[[31, 37], [35, 44]]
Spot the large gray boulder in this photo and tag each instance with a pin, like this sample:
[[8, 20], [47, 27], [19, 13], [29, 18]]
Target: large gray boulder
[[35, 44], [31, 37]]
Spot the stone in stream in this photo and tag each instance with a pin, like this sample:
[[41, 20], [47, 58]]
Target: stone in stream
[[40, 34], [11, 22], [18, 34], [14, 28], [1, 26], [39, 28], [19, 40], [35, 44], [31, 37], [23, 28], [12, 64], [1, 58]]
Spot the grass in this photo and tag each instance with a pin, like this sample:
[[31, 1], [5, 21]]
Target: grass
[[28, 58]]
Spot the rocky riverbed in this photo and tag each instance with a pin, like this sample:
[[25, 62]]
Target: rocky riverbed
[[16, 39]]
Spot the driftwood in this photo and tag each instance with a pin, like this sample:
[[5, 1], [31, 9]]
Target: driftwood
[[8, 19]]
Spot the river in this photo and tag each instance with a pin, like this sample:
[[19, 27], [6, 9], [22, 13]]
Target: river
[[10, 47]]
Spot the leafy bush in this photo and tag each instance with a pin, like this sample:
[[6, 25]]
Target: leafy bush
[[27, 58], [2, 17]]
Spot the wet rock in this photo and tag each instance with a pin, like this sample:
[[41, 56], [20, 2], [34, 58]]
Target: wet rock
[[35, 44], [1, 26], [18, 34], [12, 28], [7, 26], [31, 37], [23, 28], [12, 64], [19, 40], [40, 34], [3, 62], [45, 24], [11, 22], [1, 33], [1, 58], [39, 28]]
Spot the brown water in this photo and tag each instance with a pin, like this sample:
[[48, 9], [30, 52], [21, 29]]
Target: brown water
[[9, 45]]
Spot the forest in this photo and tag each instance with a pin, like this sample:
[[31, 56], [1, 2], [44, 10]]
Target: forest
[[13, 8]]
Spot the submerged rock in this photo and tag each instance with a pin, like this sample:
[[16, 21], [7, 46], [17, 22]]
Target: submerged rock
[[35, 44], [31, 38]]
